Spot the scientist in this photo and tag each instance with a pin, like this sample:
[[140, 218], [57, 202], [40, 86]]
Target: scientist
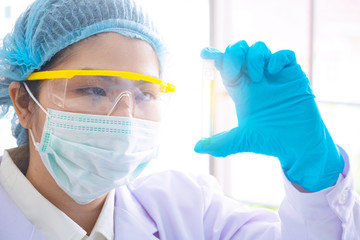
[[84, 78]]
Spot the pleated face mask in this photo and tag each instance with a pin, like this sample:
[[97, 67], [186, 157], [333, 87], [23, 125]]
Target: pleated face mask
[[89, 155]]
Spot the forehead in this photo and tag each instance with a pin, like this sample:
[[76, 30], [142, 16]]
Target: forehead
[[112, 51]]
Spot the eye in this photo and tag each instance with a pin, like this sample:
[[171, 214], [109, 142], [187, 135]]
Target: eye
[[92, 91], [144, 97]]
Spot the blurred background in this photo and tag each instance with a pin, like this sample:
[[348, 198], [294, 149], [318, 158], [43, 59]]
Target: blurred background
[[325, 35]]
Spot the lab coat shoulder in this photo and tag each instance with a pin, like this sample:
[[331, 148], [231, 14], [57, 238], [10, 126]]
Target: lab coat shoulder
[[186, 206], [13, 224]]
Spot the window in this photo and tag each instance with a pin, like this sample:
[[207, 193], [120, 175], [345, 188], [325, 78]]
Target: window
[[325, 36], [335, 73]]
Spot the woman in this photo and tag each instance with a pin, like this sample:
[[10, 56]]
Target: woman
[[84, 80]]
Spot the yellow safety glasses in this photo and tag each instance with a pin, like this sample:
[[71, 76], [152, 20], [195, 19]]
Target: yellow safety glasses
[[49, 75], [106, 92]]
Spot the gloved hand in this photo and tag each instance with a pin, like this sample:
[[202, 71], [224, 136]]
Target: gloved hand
[[277, 115]]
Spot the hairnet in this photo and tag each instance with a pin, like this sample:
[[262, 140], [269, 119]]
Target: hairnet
[[49, 26]]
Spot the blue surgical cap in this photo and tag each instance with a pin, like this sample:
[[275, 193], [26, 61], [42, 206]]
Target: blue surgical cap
[[49, 26]]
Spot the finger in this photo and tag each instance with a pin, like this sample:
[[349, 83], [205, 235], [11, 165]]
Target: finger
[[234, 62], [213, 54], [281, 60], [256, 59], [220, 145]]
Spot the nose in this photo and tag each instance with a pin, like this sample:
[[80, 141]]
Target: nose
[[123, 105]]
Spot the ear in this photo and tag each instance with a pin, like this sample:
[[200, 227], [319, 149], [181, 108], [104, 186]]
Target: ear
[[22, 102]]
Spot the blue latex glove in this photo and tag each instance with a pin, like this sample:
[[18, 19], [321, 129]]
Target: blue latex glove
[[277, 115]]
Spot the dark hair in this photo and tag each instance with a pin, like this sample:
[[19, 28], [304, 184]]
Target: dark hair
[[21, 157], [58, 58], [35, 86]]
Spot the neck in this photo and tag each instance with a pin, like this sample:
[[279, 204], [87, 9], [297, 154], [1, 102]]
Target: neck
[[84, 215]]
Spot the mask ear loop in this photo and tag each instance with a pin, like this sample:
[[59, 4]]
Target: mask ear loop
[[118, 99], [36, 144]]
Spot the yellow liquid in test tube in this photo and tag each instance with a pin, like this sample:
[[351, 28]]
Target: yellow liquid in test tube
[[208, 76]]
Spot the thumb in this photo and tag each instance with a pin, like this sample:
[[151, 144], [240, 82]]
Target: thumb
[[222, 144]]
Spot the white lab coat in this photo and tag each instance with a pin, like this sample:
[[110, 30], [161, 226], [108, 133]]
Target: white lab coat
[[173, 205]]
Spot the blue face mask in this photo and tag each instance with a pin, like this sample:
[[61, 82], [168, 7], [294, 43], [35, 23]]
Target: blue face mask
[[89, 155]]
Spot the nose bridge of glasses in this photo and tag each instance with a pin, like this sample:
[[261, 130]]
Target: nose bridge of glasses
[[123, 105]]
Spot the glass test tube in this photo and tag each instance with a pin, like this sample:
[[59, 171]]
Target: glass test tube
[[208, 76]]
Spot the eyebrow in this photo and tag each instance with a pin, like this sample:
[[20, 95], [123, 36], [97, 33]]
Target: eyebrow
[[118, 71]]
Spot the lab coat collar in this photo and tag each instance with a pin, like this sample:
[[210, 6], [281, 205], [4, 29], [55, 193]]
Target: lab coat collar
[[131, 221], [130, 218]]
